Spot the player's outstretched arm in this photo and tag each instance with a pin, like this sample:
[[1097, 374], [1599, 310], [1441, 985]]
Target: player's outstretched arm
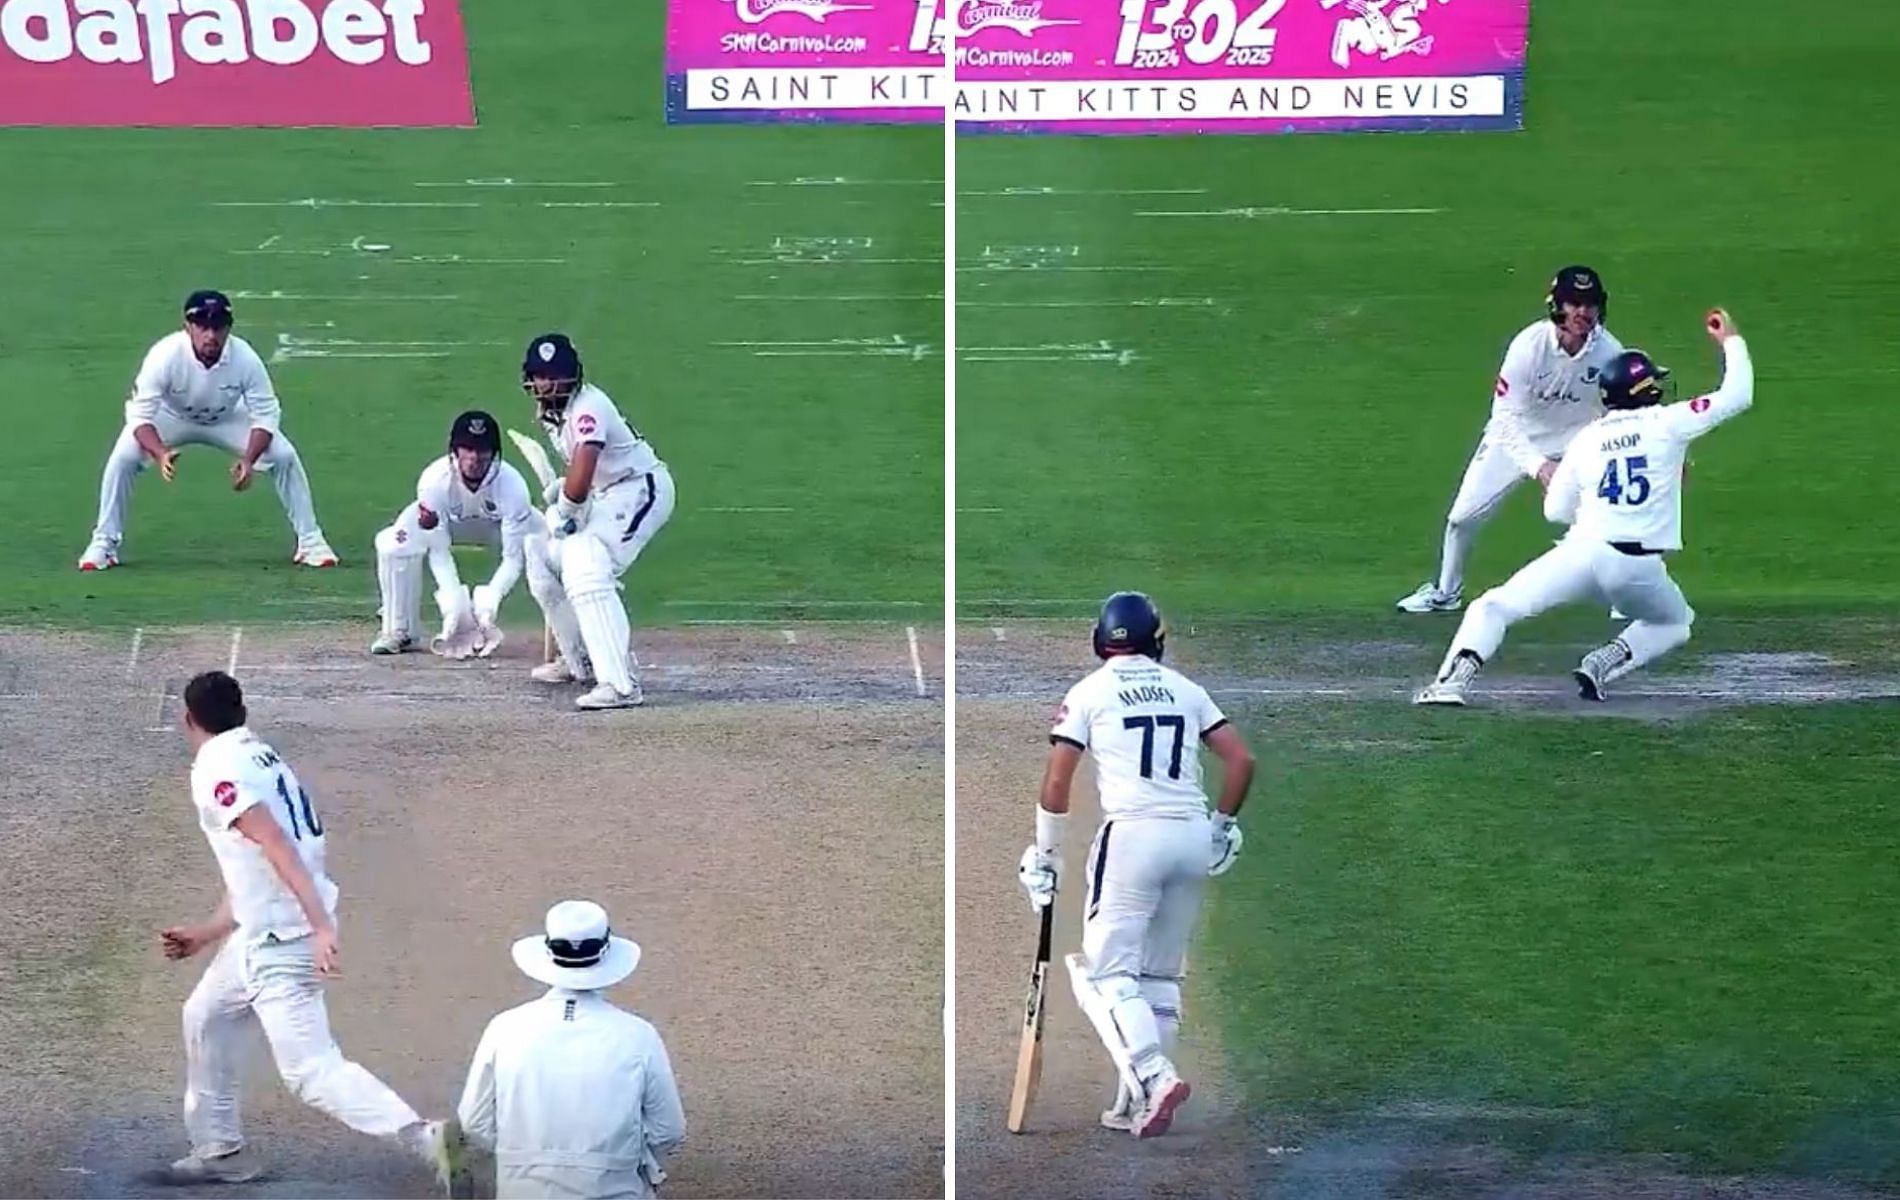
[[257, 824], [1737, 393]]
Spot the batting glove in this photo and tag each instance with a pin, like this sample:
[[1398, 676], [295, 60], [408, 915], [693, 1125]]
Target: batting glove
[[1225, 847], [1038, 873]]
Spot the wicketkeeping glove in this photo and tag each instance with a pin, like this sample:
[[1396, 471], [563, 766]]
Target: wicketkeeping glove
[[1225, 847], [1038, 873]]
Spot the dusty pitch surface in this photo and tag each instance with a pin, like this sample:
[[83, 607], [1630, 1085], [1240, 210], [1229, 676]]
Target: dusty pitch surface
[[1010, 677], [768, 828]]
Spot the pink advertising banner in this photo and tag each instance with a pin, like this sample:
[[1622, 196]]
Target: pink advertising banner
[[844, 61], [1238, 66]]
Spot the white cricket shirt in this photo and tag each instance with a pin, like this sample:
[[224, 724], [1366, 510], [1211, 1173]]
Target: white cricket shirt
[[1143, 724], [573, 1094], [1544, 395], [171, 380], [233, 773], [592, 417], [1621, 479], [502, 497]]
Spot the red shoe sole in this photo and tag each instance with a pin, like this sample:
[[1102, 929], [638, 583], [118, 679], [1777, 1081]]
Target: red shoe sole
[[1172, 1099]]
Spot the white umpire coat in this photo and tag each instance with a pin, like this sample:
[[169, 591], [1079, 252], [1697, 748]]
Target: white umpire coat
[[577, 1099]]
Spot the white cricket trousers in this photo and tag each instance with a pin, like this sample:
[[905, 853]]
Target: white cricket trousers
[[1489, 477], [1145, 878], [1575, 569], [280, 460], [276, 986]]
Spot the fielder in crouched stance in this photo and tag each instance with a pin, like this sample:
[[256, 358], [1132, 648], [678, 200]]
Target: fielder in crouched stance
[[468, 495], [276, 938], [1620, 491], [204, 386], [1150, 860], [575, 1096], [615, 496]]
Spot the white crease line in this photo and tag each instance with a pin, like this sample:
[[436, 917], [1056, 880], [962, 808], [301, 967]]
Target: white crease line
[[916, 661], [158, 718], [833, 262], [1139, 302], [506, 182], [317, 202], [237, 642], [1251, 213], [270, 241], [791, 638], [843, 299], [600, 204], [843, 182], [979, 510], [132, 663], [358, 299], [1048, 191]]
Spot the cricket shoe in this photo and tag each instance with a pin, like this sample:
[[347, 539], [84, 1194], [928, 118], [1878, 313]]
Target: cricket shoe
[[447, 1154], [559, 671], [239, 1166], [1428, 599], [1601, 666], [605, 696], [392, 644], [1120, 1116], [1450, 688], [315, 554], [1167, 1091], [99, 556]]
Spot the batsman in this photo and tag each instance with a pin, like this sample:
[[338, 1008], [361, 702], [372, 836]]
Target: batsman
[[1143, 724], [615, 495]]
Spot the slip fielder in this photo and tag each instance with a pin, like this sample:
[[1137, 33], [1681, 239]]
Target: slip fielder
[[204, 386], [1546, 391], [1143, 723], [1620, 491], [468, 495]]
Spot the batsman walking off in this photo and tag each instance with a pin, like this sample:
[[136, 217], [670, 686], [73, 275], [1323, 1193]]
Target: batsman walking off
[[1153, 854]]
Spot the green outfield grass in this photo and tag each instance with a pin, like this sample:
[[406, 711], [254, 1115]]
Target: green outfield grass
[[1678, 936], [108, 230], [1296, 444], [1668, 936]]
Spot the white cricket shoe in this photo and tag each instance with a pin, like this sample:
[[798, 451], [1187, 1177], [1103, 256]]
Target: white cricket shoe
[[239, 1166], [1167, 1091], [1120, 1116], [558, 671], [1601, 666], [1428, 599], [392, 644], [605, 695], [100, 555], [1450, 689], [315, 554]]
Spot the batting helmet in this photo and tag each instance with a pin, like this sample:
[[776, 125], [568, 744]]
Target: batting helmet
[[1633, 380], [1577, 285], [552, 356], [1130, 624]]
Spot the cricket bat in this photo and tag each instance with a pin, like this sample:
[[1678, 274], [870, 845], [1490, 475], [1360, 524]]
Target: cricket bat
[[1029, 1053]]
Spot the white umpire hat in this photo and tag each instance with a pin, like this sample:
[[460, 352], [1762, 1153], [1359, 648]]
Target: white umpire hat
[[579, 951]]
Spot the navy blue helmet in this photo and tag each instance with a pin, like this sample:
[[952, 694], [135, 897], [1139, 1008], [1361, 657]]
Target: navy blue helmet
[[552, 357], [209, 308], [475, 430], [1632, 380], [1577, 285], [1130, 624]]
